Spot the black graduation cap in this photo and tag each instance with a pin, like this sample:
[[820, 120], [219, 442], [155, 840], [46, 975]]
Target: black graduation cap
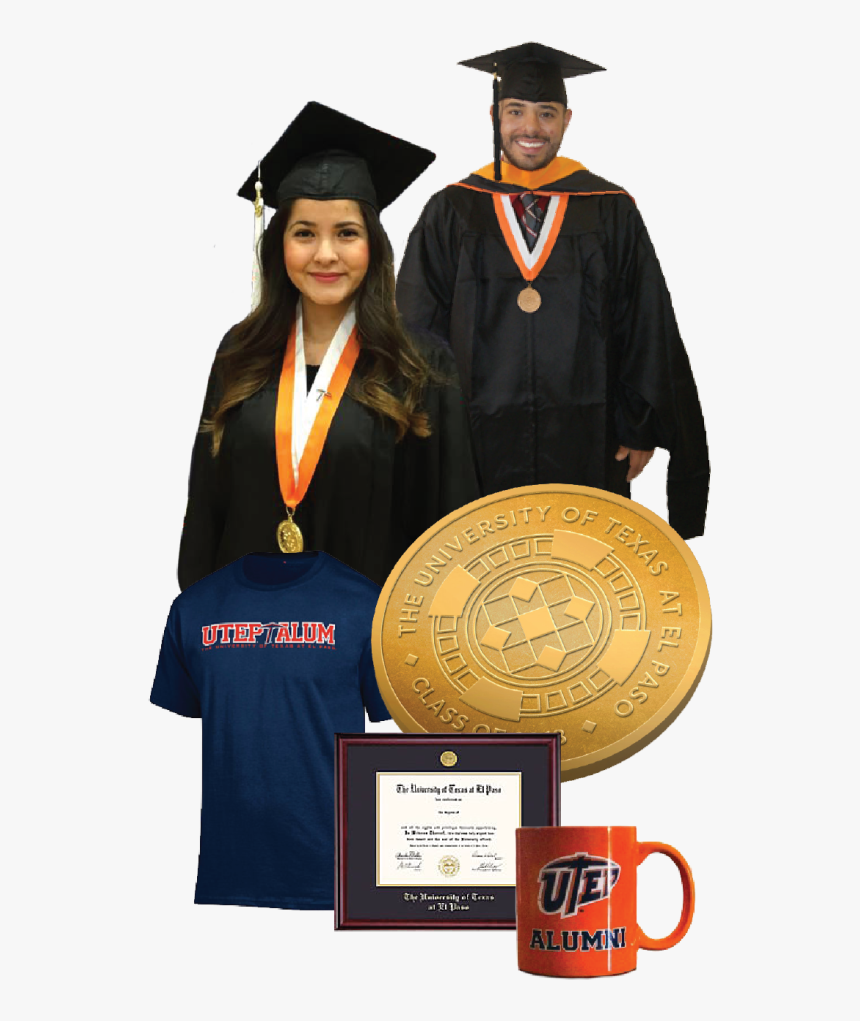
[[324, 154], [530, 72]]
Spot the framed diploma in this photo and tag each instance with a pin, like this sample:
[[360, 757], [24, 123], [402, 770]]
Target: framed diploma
[[425, 825]]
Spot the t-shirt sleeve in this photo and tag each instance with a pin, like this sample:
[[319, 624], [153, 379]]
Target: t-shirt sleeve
[[173, 687], [376, 711]]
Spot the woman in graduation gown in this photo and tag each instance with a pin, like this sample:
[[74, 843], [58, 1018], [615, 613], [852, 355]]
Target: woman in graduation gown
[[326, 426]]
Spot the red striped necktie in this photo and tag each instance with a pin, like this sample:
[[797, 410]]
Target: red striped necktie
[[531, 218]]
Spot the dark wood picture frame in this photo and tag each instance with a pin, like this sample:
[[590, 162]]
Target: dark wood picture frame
[[359, 902]]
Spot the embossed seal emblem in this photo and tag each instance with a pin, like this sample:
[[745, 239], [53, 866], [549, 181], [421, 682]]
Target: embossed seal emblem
[[546, 608], [449, 865]]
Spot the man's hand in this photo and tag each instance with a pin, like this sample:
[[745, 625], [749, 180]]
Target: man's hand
[[638, 460]]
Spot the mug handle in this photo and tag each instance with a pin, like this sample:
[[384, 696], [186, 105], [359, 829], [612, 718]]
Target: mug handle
[[680, 930]]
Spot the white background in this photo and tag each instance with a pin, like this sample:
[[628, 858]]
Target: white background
[[127, 131]]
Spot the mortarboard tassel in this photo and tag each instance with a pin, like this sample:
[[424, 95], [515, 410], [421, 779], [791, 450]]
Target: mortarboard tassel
[[497, 130], [259, 227]]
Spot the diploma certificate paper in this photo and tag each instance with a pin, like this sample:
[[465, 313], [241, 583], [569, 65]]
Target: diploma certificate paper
[[444, 829]]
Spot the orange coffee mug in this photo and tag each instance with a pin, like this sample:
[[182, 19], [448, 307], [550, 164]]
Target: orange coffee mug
[[576, 899]]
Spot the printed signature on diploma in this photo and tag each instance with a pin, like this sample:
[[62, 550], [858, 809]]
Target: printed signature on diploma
[[408, 859], [490, 862]]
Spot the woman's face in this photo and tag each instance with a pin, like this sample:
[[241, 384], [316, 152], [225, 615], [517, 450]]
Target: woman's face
[[326, 250]]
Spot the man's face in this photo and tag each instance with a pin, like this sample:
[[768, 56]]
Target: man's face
[[531, 132]]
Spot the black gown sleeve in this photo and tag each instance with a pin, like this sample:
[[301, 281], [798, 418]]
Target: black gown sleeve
[[428, 272], [206, 508], [657, 404], [436, 474]]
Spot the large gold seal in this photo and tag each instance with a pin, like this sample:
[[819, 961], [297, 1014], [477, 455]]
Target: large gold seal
[[546, 608]]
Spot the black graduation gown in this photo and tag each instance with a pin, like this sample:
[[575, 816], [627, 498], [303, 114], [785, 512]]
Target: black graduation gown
[[368, 500], [554, 393]]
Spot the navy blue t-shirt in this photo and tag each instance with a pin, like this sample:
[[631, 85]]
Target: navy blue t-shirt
[[273, 652]]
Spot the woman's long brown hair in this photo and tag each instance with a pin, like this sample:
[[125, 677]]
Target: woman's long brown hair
[[391, 373]]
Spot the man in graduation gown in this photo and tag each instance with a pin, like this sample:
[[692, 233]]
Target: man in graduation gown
[[542, 278]]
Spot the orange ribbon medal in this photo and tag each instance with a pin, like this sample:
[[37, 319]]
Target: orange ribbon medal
[[529, 263], [303, 418]]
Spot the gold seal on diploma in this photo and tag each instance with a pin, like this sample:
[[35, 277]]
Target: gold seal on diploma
[[541, 609], [449, 865]]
